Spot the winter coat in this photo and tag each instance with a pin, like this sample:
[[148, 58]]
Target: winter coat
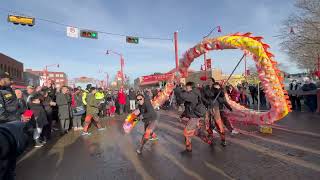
[[22, 106], [147, 111], [64, 106], [77, 101], [234, 94], [177, 95], [8, 105], [46, 104], [84, 97], [92, 105], [190, 99], [132, 95], [39, 114], [209, 94], [122, 98]]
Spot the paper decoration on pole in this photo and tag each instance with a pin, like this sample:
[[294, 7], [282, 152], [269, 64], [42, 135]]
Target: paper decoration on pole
[[72, 32]]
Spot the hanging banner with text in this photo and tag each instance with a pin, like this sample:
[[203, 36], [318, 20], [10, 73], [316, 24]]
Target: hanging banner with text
[[155, 78]]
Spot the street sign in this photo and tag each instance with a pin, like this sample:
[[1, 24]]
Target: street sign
[[72, 32]]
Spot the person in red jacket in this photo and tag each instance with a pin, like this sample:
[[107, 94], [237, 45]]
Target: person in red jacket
[[233, 93], [121, 100]]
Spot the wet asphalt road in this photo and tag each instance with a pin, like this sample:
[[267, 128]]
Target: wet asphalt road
[[291, 152]]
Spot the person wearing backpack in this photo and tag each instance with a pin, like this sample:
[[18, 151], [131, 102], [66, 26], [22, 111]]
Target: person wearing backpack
[[195, 111]]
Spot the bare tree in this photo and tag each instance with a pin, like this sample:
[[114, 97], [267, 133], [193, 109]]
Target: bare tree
[[300, 34]]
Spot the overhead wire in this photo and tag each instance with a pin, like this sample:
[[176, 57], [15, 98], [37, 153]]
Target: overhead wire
[[99, 31]]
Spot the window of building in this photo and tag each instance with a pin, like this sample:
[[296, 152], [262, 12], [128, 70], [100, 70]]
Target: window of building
[[51, 75], [1, 66], [5, 68], [61, 75], [57, 75], [57, 80]]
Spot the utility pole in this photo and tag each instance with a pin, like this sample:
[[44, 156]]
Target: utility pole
[[176, 51]]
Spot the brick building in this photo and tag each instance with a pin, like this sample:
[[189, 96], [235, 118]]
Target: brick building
[[60, 78], [14, 68]]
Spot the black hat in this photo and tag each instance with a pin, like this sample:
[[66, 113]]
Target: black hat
[[4, 74], [89, 86]]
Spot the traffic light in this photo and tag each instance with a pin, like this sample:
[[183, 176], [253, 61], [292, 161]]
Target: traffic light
[[89, 34], [131, 39], [23, 20]]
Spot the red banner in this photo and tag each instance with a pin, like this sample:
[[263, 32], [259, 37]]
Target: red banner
[[208, 63], [155, 78]]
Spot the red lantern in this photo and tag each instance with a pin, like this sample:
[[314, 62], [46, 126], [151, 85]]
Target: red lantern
[[317, 73]]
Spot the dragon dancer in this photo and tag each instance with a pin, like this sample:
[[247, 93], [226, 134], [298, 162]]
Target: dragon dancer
[[149, 116]]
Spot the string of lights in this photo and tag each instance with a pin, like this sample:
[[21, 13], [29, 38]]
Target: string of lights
[[99, 31]]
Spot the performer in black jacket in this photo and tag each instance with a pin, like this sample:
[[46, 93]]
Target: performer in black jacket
[[149, 116], [192, 98]]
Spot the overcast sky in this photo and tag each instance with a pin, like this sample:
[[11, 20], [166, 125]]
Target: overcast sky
[[47, 43]]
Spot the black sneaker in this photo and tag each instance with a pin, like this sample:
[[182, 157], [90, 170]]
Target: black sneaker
[[223, 143], [38, 144]]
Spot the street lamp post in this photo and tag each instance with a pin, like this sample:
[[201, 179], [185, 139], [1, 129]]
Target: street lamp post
[[107, 79], [205, 54], [176, 50], [121, 63], [46, 71]]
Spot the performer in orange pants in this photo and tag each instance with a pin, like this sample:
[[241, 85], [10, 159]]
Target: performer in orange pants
[[87, 121], [92, 112], [149, 116], [195, 127]]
